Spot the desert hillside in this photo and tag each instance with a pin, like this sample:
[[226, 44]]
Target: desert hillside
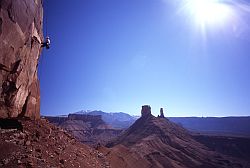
[[30, 143], [157, 142]]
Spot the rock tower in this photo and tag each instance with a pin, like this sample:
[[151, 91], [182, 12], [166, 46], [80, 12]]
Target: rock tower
[[146, 111], [161, 113]]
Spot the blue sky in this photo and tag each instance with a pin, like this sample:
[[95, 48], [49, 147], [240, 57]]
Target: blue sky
[[118, 55]]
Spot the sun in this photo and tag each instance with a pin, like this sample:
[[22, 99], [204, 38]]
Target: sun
[[208, 12]]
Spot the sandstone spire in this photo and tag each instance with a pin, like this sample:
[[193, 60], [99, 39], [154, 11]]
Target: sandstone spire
[[161, 113], [146, 111]]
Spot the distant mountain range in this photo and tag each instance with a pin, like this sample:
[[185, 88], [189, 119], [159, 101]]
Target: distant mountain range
[[237, 126], [116, 119]]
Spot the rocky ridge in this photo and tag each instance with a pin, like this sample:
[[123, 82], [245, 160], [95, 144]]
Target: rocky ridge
[[88, 129], [157, 142]]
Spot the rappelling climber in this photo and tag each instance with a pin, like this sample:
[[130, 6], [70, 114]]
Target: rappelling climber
[[46, 43]]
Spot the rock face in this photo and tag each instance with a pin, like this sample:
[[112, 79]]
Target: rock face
[[20, 45]]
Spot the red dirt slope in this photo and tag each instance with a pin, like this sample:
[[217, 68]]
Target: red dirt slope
[[40, 144]]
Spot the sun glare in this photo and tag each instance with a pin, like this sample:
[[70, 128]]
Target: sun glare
[[208, 11]]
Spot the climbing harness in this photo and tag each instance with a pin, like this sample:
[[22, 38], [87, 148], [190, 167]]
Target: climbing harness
[[46, 43]]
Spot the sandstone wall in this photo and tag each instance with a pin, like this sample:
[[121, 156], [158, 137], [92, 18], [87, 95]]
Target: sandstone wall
[[20, 38]]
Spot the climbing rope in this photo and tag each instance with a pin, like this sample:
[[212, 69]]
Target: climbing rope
[[46, 25], [46, 42], [40, 60], [45, 15]]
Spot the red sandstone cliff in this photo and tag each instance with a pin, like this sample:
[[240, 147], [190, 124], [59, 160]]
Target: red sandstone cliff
[[20, 38]]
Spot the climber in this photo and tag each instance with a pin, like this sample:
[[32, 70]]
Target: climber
[[46, 43]]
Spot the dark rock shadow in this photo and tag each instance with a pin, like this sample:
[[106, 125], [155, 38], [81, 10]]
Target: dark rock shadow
[[10, 124]]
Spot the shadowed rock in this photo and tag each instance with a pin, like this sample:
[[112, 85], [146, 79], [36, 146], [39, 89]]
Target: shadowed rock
[[10, 123], [146, 111]]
